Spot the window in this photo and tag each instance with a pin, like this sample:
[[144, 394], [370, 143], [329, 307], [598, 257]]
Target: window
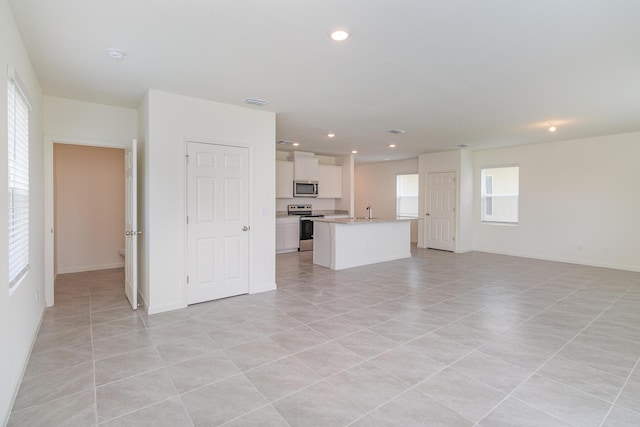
[[499, 191], [407, 196], [18, 168]]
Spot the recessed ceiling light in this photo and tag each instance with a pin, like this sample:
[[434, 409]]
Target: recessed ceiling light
[[116, 53], [254, 101], [392, 145], [396, 131], [331, 135], [339, 35], [552, 128], [354, 151], [295, 144]]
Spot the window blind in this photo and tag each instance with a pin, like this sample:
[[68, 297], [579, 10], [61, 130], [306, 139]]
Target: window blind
[[18, 182]]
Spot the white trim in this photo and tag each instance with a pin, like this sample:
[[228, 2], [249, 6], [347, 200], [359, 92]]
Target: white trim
[[155, 309], [633, 268], [84, 268], [23, 369], [49, 140]]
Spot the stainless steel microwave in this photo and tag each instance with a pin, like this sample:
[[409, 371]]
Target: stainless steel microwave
[[305, 188]]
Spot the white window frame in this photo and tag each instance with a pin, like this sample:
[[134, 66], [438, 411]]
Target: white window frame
[[399, 197], [18, 180], [487, 197]]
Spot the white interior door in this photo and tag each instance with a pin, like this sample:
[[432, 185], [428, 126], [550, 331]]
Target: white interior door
[[217, 221], [440, 211], [131, 225]]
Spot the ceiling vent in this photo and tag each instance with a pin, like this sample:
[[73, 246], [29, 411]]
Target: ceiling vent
[[284, 142], [396, 131], [254, 101]]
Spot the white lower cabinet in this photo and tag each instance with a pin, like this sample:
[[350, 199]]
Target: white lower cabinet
[[287, 234]]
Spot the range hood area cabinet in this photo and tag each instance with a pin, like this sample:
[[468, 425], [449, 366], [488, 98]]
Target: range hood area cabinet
[[329, 177], [284, 179], [305, 168], [329, 182]]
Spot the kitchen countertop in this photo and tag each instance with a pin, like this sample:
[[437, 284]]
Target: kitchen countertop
[[358, 220]]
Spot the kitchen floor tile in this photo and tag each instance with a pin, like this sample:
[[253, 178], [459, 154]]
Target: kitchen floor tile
[[356, 337], [321, 405], [281, 378], [565, 403], [233, 397], [407, 365], [122, 397], [471, 398], [514, 412], [169, 413], [69, 411], [416, 409], [367, 385], [40, 389], [200, 371]]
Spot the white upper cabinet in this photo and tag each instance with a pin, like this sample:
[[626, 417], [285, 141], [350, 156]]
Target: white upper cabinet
[[305, 168], [284, 179], [329, 182]]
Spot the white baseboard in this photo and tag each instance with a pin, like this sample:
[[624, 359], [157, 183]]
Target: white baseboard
[[564, 260], [263, 287], [23, 369], [155, 309], [84, 268]]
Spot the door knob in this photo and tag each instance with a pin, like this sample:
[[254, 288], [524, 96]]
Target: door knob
[[246, 228], [139, 232], [127, 233]]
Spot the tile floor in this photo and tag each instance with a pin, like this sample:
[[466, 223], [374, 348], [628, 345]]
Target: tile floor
[[438, 339]]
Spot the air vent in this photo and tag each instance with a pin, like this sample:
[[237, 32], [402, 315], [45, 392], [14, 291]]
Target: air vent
[[463, 145], [254, 101], [396, 131]]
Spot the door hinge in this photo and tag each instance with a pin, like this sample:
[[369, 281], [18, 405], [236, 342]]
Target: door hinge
[[454, 238], [186, 156], [187, 280], [187, 219]]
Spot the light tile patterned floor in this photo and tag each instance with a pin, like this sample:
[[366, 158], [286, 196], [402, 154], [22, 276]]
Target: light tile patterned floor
[[438, 339]]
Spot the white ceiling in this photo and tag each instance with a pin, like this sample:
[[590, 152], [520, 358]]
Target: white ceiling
[[487, 73]]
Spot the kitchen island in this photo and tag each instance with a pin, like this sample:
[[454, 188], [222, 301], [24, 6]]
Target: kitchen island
[[351, 242]]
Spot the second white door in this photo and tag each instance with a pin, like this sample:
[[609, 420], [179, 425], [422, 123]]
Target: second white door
[[440, 211], [217, 221]]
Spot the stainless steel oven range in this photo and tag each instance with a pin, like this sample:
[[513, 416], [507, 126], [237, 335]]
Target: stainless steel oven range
[[305, 212]]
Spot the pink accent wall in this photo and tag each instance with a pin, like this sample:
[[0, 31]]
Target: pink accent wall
[[89, 207]]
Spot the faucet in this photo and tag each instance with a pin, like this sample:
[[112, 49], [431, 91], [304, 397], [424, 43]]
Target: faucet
[[370, 211]]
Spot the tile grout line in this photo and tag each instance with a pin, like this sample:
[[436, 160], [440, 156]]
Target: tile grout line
[[554, 355]]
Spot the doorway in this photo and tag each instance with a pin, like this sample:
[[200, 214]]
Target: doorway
[[89, 208], [217, 221], [440, 211]]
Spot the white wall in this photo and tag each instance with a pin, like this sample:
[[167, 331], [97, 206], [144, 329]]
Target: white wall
[[173, 120], [143, 200], [89, 207], [81, 123], [464, 240], [579, 202], [375, 185], [107, 125], [20, 313]]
